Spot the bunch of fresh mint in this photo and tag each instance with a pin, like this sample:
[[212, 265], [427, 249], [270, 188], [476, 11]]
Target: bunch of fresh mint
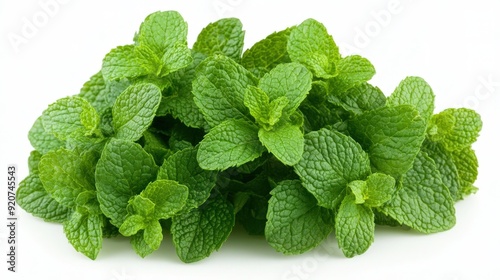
[[288, 140]]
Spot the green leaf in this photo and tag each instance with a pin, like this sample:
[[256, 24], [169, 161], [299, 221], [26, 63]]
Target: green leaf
[[352, 71], [132, 224], [445, 165], [291, 80], [224, 36], [134, 110], [183, 168], [330, 161], [161, 30], [311, 45], [177, 56], [139, 244], [375, 191], [466, 162], [153, 235], [168, 196], [266, 114], [42, 140], [84, 232], [455, 129], [267, 53], [123, 171], [34, 199], [392, 137], [423, 202], [201, 231], [295, 224], [181, 103], [219, 89], [65, 174], [155, 145], [285, 142], [33, 161], [232, 143], [122, 62], [416, 92], [359, 99], [71, 117], [354, 227]]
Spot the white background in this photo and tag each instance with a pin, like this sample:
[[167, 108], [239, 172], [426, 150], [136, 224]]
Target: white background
[[454, 45]]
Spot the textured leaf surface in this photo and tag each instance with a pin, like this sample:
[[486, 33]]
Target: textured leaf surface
[[198, 233], [352, 71], [354, 227], [232, 143], [219, 89], [183, 168], [84, 232], [34, 199], [295, 224], [330, 161], [416, 92], [134, 110], [42, 140], [392, 137], [311, 45], [224, 36], [423, 202], [285, 142], [123, 171]]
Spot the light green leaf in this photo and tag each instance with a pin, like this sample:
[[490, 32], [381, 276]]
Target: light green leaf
[[122, 62], [416, 92], [354, 227], [330, 161], [455, 129], [139, 244], [71, 117], [224, 36], [181, 103], [168, 196], [392, 137], [445, 165], [201, 231], [291, 80], [161, 30], [65, 174], [265, 113], [466, 162], [153, 235], [219, 89], [177, 56], [295, 224], [84, 232], [183, 168], [134, 110], [311, 45], [352, 71], [376, 190], [42, 140], [285, 142], [232, 143], [123, 171], [267, 53], [132, 224], [358, 99], [34, 199], [423, 202]]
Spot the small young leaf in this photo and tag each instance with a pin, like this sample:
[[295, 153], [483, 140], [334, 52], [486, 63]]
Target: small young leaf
[[352, 71], [416, 92]]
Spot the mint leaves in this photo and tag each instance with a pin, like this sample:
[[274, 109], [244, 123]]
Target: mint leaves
[[287, 138]]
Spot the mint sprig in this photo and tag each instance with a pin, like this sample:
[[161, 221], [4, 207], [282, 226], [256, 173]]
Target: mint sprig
[[287, 138]]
